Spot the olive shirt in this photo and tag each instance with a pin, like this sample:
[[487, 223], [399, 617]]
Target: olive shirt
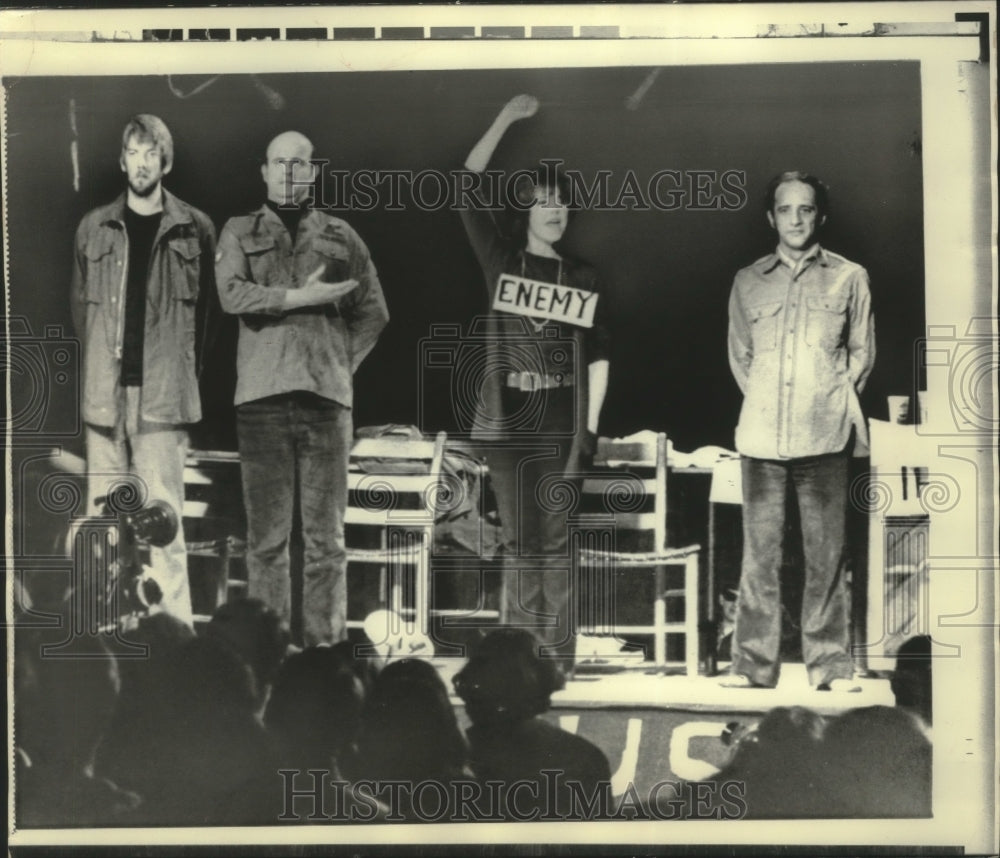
[[313, 349], [178, 311]]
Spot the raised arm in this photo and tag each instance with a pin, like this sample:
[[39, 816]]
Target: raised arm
[[519, 107], [484, 234]]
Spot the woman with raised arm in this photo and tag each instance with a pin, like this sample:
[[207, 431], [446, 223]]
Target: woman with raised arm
[[541, 385]]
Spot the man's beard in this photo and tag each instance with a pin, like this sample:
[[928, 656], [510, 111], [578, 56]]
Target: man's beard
[[146, 192]]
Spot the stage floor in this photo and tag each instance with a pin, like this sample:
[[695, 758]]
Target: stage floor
[[646, 689]]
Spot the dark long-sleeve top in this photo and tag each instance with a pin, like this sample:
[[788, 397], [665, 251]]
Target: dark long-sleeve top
[[515, 343]]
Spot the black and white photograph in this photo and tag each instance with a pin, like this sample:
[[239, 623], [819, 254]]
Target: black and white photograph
[[542, 429]]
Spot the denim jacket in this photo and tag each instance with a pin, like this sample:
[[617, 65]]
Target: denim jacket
[[178, 292], [313, 349], [801, 346]]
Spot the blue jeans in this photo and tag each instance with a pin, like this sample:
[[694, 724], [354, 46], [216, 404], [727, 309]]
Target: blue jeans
[[819, 486], [297, 440], [531, 483]]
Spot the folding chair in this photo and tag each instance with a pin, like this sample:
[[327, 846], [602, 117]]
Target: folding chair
[[625, 528], [394, 489]]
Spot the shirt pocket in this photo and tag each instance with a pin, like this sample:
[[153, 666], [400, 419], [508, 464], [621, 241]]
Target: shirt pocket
[[763, 320], [334, 258], [183, 259], [261, 255], [826, 321]]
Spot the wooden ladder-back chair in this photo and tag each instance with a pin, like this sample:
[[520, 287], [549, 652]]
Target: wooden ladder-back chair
[[624, 528], [394, 491], [214, 523]]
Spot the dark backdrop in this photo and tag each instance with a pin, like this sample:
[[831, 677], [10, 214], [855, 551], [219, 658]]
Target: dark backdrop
[[668, 274]]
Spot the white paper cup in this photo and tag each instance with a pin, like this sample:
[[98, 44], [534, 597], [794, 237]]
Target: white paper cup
[[899, 409]]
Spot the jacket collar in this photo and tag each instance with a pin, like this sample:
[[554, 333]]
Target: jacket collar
[[266, 219], [173, 211], [265, 214]]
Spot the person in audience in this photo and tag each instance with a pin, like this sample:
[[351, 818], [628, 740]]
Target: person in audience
[[314, 711], [911, 681], [310, 309], [877, 764], [64, 705], [202, 757], [364, 666], [314, 715], [159, 633], [409, 731], [506, 688], [779, 762], [257, 635], [162, 635], [543, 386]]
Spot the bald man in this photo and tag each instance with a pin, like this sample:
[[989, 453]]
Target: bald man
[[310, 308]]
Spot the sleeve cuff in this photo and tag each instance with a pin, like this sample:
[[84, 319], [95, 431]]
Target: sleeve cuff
[[274, 302]]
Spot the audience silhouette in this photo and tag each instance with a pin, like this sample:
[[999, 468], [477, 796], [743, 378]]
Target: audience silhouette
[[409, 733], [506, 687], [199, 729]]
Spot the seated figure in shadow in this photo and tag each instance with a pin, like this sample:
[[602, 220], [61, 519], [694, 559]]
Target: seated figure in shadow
[[64, 704], [197, 754], [254, 632], [878, 763], [911, 681], [409, 734], [779, 764], [314, 715], [507, 687]]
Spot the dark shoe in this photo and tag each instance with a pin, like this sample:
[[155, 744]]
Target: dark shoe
[[738, 680]]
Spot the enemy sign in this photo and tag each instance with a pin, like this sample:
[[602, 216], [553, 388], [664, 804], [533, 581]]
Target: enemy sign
[[539, 300]]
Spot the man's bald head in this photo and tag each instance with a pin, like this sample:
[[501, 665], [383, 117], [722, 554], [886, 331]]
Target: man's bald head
[[288, 172], [289, 142]]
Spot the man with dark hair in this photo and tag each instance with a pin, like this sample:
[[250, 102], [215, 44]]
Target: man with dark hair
[[140, 296], [801, 345], [311, 309]]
